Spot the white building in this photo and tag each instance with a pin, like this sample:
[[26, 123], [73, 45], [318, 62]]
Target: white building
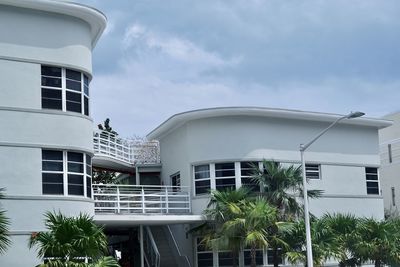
[[390, 160], [46, 137], [47, 143]]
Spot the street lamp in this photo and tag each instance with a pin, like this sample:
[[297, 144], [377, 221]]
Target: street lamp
[[303, 166]]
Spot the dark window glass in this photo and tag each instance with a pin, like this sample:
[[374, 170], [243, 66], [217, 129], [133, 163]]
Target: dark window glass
[[202, 187], [51, 71], [226, 259], [373, 188], [51, 99], [74, 97], [88, 186], [52, 166], [88, 160], [371, 170], [75, 156], [270, 257], [372, 177], [73, 85], [205, 259], [224, 169], [53, 189], [312, 171], [73, 75], [75, 167], [53, 178], [86, 111], [75, 184], [223, 184], [74, 102], [248, 168], [202, 171], [247, 257], [52, 155], [85, 80], [52, 82]]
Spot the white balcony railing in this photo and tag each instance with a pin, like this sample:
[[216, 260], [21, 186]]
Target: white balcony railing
[[137, 199], [131, 151]]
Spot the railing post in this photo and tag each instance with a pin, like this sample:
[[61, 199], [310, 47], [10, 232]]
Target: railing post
[[189, 201], [166, 200], [118, 201], [143, 201]]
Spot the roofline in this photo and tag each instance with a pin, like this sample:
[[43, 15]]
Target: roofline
[[95, 18], [180, 118]]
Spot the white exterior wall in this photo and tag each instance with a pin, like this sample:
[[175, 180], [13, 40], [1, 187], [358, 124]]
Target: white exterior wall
[[390, 171], [29, 38], [343, 153]]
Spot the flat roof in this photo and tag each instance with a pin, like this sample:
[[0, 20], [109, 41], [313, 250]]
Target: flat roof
[[95, 18], [179, 119]]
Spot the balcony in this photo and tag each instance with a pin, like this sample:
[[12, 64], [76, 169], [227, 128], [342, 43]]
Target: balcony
[[128, 152], [139, 200]]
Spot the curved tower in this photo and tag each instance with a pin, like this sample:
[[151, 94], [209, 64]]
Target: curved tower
[[46, 135]]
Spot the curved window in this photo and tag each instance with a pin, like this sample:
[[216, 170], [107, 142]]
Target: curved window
[[65, 89], [66, 173]]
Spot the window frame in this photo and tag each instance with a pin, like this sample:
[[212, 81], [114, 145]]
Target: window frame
[[228, 177], [86, 173], [195, 180], [83, 92], [370, 181]]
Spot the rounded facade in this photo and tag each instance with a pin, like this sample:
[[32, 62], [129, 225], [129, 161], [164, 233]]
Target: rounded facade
[[46, 140]]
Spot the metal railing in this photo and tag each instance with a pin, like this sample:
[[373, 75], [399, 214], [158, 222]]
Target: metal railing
[[131, 151], [183, 258], [151, 253], [140, 199]]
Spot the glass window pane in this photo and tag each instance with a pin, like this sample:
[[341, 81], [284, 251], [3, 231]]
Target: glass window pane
[[52, 155], [371, 170], [74, 85], [51, 104], [202, 187], [75, 156], [52, 166], [55, 178], [75, 179], [74, 107], [205, 259], [85, 80], [75, 167], [52, 82], [88, 186], [73, 75], [51, 94], [53, 189], [76, 190], [51, 71], [74, 97], [86, 102]]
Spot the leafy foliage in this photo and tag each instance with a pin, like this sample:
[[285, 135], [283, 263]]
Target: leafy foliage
[[70, 241]]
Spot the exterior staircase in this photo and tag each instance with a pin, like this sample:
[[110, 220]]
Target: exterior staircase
[[167, 257]]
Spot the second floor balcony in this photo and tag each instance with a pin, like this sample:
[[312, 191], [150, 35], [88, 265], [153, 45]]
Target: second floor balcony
[[127, 151], [140, 199]]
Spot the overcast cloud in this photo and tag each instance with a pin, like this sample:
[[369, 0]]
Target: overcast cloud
[[160, 57]]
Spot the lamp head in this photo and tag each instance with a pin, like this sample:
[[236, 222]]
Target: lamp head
[[355, 114]]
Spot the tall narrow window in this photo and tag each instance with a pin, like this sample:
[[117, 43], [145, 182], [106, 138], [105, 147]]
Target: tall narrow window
[[202, 179], [225, 176], [247, 171], [75, 173], [176, 181], [52, 172], [247, 257], [393, 197], [51, 88], [204, 256], [371, 175], [313, 171], [74, 91], [390, 153], [88, 176], [86, 95]]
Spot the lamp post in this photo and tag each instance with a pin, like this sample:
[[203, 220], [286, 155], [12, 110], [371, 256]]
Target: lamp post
[[303, 148]]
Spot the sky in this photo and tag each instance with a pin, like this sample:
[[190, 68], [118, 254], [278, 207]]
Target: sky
[[158, 58]]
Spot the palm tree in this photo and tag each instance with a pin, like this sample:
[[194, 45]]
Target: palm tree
[[324, 244], [71, 241], [254, 220], [4, 228], [281, 187], [380, 241], [345, 230], [222, 207]]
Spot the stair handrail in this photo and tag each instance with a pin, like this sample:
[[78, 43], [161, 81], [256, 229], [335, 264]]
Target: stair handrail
[[177, 247], [154, 247]]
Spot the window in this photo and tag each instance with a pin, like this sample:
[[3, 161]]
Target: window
[[246, 173], [225, 258], [225, 176], [52, 172], [270, 256], [312, 171], [390, 153], [204, 256], [393, 197], [371, 175], [176, 181], [61, 168], [202, 179], [247, 257], [58, 83]]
